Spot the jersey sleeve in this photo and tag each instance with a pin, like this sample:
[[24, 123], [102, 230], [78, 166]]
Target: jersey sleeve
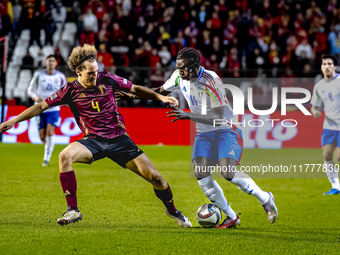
[[172, 83], [61, 96], [63, 79], [32, 88], [316, 99], [117, 82]]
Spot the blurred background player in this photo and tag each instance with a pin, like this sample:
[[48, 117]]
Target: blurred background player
[[327, 92], [92, 102], [41, 87]]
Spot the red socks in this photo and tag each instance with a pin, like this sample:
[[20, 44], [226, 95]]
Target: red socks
[[167, 199], [69, 185]]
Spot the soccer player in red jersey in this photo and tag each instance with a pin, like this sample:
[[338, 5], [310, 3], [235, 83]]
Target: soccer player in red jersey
[[92, 102]]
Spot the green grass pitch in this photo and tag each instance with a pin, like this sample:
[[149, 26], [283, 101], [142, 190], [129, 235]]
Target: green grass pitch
[[121, 214]]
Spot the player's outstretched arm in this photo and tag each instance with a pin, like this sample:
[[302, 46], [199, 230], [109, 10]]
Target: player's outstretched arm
[[25, 115], [121, 95], [147, 93], [316, 112]]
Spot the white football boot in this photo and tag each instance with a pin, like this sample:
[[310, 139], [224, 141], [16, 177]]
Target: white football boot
[[70, 216], [45, 163], [271, 209], [180, 219]]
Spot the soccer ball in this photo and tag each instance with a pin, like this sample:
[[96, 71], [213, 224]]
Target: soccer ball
[[209, 216]]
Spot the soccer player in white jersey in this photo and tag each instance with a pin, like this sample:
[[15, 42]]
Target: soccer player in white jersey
[[41, 87], [221, 144], [327, 92]]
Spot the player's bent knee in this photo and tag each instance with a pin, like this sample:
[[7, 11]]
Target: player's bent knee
[[50, 133], [201, 175], [158, 180], [328, 156], [65, 157], [227, 175]]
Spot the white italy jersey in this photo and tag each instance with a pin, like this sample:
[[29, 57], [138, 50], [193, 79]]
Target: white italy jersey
[[44, 85], [205, 83], [328, 93]]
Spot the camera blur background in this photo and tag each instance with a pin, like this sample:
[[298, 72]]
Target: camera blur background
[[140, 39]]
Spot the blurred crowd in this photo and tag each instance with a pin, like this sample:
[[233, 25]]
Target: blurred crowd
[[241, 38], [235, 35]]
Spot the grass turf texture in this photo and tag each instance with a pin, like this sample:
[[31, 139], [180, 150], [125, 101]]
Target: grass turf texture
[[121, 214]]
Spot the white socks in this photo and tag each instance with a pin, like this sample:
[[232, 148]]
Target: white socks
[[247, 185], [49, 146], [333, 174], [215, 194]]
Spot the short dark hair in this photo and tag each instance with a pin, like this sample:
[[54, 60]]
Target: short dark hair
[[335, 61], [51, 56], [193, 56]]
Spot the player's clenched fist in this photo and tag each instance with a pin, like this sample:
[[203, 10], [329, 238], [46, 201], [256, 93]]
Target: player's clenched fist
[[315, 111], [5, 126], [316, 114]]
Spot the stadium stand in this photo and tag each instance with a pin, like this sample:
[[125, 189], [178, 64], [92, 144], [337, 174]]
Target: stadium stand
[[241, 38]]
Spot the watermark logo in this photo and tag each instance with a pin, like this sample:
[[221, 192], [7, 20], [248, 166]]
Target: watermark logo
[[238, 99]]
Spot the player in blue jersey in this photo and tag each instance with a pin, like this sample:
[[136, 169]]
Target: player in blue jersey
[[41, 87], [327, 92]]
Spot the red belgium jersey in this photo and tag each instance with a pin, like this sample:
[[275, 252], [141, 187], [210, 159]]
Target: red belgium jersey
[[94, 109]]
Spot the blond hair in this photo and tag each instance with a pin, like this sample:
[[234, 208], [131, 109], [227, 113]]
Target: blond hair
[[81, 54]]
